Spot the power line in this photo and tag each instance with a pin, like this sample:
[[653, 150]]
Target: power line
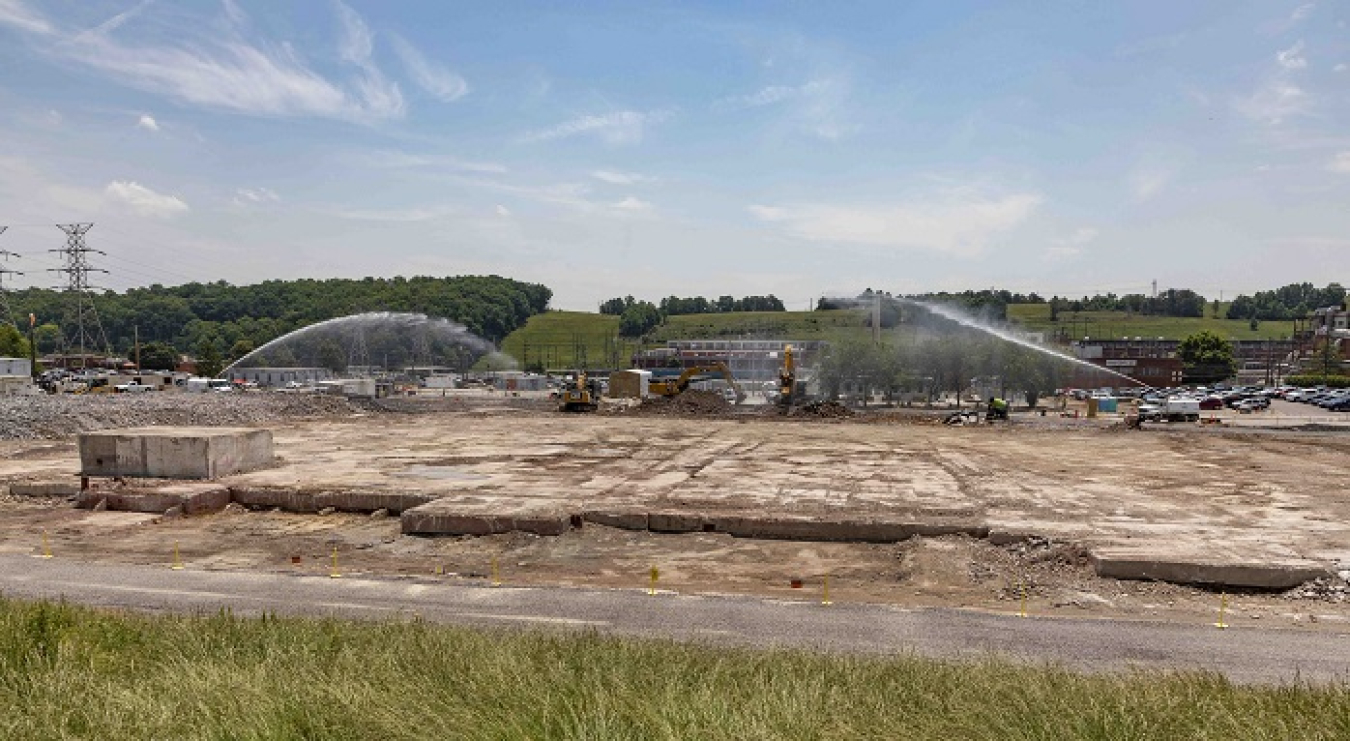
[[4, 273], [76, 268]]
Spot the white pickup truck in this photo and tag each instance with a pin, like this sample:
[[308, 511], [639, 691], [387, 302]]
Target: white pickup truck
[[132, 388], [1171, 410]]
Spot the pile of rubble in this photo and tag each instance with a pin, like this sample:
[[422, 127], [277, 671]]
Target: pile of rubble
[[822, 409], [62, 415], [693, 403]]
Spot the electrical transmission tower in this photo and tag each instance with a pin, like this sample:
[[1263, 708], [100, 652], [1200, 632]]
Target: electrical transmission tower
[[82, 329], [6, 314]]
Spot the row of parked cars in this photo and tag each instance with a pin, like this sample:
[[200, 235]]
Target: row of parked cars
[[1253, 398], [1335, 400]]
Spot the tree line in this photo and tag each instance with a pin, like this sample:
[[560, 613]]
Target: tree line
[[228, 320], [637, 318], [1294, 301]]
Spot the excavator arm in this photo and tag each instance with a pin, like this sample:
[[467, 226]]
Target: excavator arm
[[681, 384]]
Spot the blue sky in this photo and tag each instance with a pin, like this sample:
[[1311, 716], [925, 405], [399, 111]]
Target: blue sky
[[800, 149]]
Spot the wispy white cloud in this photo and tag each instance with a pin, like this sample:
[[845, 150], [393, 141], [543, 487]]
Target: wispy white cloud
[[1070, 246], [115, 22], [1274, 102], [228, 72], [619, 127], [397, 159], [255, 196], [356, 47], [960, 222], [1147, 182], [1301, 12], [622, 178], [147, 122], [633, 204], [503, 210], [431, 77], [15, 13], [1340, 67], [143, 200], [817, 107], [1292, 58], [1340, 163]]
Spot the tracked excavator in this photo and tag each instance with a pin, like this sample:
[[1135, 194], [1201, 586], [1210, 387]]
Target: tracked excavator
[[580, 394], [677, 386], [787, 379]]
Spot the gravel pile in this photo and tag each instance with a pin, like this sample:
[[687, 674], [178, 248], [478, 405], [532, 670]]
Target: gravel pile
[[62, 415], [692, 403], [824, 409]]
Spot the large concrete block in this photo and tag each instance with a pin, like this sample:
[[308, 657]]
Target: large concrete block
[[1169, 568], [675, 522], [476, 516], [624, 519], [174, 452], [194, 499], [809, 527], [45, 488], [291, 500]]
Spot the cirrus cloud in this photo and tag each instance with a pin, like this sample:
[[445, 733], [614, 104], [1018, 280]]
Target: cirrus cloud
[[960, 222], [143, 200]]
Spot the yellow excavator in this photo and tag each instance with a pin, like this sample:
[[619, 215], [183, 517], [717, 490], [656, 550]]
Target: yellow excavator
[[680, 384], [580, 394], [787, 378]]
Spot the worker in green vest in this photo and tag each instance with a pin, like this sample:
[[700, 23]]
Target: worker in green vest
[[998, 409]]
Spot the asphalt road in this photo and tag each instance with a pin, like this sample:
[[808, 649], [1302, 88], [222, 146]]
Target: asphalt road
[[1244, 655]]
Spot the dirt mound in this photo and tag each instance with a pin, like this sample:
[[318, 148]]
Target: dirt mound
[[822, 409], [692, 403]]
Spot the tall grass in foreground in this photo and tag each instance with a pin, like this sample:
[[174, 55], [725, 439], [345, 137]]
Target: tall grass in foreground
[[71, 672]]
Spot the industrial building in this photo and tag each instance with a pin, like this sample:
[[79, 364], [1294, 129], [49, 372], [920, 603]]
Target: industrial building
[[749, 360]]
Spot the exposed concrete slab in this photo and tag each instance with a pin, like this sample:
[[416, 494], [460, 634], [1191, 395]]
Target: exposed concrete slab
[[622, 519], [1165, 567], [174, 452], [671, 521], [476, 516], [292, 500], [69, 488], [802, 527], [192, 498]]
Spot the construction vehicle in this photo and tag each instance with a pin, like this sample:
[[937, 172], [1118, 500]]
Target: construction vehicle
[[580, 395], [680, 384], [787, 379], [1173, 409]]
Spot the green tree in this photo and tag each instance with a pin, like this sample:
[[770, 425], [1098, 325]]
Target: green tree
[[208, 359], [12, 343], [1207, 357], [240, 348], [158, 356], [639, 319]]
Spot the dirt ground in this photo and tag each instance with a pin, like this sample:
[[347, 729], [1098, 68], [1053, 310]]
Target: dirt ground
[[1070, 487]]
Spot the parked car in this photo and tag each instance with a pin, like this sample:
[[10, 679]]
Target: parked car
[[1210, 403]]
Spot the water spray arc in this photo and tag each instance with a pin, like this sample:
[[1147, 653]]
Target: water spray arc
[[965, 320], [419, 332]]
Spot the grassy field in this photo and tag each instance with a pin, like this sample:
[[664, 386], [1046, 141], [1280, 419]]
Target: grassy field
[[570, 339], [1116, 324], [76, 673]]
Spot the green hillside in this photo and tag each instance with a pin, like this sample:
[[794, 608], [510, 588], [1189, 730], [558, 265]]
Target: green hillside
[[1118, 324], [571, 339]]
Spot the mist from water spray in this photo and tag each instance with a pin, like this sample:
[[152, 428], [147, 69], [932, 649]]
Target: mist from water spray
[[422, 333], [965, 320]]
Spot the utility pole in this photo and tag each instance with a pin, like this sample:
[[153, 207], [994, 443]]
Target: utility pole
[[76, 268], [4, 292]]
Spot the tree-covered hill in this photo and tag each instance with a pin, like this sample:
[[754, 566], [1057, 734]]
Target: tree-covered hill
[[190, 315]]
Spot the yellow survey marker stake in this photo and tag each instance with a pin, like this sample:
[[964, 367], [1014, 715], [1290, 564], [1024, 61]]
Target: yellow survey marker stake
[[177, 560], [1223, 607], [46, 546], [655, 574], [496, 580], [825, 591], [334, 574]]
